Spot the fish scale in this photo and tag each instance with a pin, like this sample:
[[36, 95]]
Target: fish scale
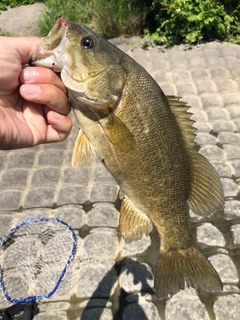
[[146, 141]]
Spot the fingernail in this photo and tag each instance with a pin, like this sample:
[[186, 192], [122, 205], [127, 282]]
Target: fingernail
[[28, 74], [31, 89]]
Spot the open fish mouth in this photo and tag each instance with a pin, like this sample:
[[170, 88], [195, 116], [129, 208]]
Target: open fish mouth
[[49, 51]]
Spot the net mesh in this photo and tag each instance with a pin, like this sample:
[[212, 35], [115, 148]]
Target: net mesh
[[37, 258]]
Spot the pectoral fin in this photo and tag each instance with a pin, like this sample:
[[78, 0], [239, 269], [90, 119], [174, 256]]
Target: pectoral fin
[[133, 222], [118, 133], [82, 152]]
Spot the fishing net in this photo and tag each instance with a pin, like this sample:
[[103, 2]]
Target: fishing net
[[39, 257]]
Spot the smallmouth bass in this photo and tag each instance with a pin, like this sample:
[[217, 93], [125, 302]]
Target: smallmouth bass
[[146, 141]]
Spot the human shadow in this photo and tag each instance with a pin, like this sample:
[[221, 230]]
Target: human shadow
[[123, 301]]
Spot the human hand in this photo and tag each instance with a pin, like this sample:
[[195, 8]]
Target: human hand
[[33, 100]]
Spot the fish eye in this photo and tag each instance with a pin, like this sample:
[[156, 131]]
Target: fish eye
[[87, 43]]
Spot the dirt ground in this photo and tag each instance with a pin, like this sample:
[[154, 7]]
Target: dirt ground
[[21, 21]]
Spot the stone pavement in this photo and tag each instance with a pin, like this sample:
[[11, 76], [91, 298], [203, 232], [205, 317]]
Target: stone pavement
[[115, 280]]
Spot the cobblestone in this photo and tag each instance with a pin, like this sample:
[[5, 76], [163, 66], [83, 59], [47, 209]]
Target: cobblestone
[[227, 307], [186, 305], [225, 268], [209, 235]]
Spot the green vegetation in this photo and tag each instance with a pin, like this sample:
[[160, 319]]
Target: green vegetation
[[164, 21], [192, 20], [109, 18], [15, 3]]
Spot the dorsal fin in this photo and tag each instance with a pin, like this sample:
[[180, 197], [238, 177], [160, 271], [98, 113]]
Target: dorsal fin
[[82, 152], [206, 192], [133, 222], [182, 116]]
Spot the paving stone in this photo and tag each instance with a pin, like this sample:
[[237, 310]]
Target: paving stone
[[185, 88], [231, 151], [230, 188], [47, 306], [140, 307], [51, 157], [74, 194], [235, 163], [227, 85], [210, 236], [71, 214], [199, 74], [136, 247], [223, 168], [186, 305], [202, 126], [218, 72], [136, 277], [14, 177], [96, 303], [205, 86], [6, 223], [210, 100], [211, 152], [103, 192], [203, 138], [223, 125], [233, 110], [229, 138], [100, 281], [102, 243], [237, 124], [79, 176], [227, 307], [51, 316], [45, 176], [3, 160], [39, 197], [96, 314], [161, 75], [230, 289], [102, 174], [232, 209], [23, 158], [103, 214], [230, 98], [225, 268], [180, 75], [236, 234], [10, 200], [215, 113]]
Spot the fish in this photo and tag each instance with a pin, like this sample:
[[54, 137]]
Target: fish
[[145, 139]]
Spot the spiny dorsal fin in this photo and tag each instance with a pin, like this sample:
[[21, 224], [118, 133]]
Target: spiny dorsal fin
[[206, 193], [182, 116], [133, 222], [82, 152]]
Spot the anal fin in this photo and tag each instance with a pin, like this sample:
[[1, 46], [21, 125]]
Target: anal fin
[[133, 222], [82, 152]]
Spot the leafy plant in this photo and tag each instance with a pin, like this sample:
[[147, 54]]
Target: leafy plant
[[4, 4], [193, 20]]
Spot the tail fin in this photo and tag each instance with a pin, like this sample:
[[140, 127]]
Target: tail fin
[[175, 268]]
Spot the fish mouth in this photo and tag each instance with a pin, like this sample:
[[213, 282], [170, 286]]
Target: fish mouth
[[48, 52]]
